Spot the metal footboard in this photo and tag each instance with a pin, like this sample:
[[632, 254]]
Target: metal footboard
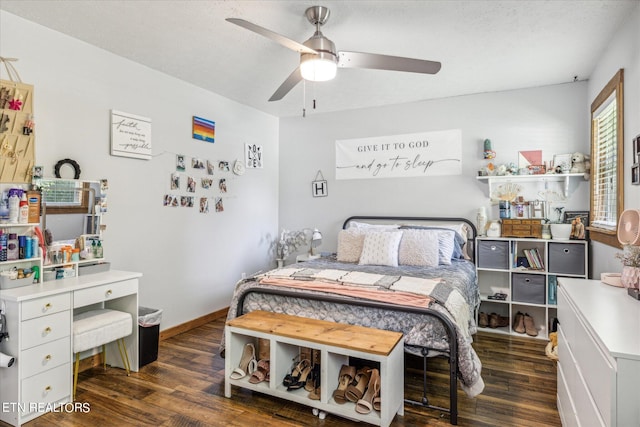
[[447, 324]]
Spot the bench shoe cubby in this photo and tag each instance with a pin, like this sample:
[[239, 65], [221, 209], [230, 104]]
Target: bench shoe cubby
[[338, 344]]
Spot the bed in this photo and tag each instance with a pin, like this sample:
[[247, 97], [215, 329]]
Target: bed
[[431, 301]]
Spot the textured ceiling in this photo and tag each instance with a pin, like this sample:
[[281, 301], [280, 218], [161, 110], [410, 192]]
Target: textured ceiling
[[484, 46]]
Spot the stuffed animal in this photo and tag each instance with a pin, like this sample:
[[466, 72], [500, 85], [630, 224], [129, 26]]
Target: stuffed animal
[[551, 349], [581, 163]]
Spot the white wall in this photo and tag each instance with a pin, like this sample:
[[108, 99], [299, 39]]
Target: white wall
[[551, 119], [190, 261], [622, 52]]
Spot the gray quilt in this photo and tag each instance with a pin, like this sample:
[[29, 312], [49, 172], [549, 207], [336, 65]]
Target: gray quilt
[[419, 330]]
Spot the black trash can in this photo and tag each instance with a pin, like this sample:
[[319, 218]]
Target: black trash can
[[148, 335]]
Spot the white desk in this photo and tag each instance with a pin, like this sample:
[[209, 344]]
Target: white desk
[[40, 322], [599, 351]]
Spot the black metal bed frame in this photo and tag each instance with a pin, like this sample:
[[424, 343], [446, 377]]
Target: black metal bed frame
[[446, 323]]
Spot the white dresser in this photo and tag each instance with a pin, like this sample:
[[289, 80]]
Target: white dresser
[[599, 351], [39, 322]]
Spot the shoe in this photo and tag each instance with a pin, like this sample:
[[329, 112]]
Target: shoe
[[296, 371], [365, 405], [493, 320], [530, 326], [247, 364], [483, 320], [302, 379], [313, 380], [262, 373], [355, 390], [347, 374], [518, 323]]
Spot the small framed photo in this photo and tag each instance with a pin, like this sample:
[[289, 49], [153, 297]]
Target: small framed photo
[[562, 163], [579, 221], [635, 174], [636, 150]]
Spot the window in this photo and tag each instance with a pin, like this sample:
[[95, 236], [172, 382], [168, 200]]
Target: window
[[607, 140], [64, 196]]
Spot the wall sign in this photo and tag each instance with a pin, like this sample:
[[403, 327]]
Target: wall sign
[[253, 156], [400, 156], [319, 186], [130, 135]]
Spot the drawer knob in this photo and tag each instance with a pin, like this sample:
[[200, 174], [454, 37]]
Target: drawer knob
[[47, 330], [47, 357], [109, 292], [47, 306]]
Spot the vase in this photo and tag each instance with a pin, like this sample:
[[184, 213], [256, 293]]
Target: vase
[[630, 277]]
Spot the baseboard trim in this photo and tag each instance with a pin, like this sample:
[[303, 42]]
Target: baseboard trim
[[191, 324]]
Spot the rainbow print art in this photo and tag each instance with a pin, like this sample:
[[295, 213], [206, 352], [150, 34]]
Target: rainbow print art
[[203, 129]]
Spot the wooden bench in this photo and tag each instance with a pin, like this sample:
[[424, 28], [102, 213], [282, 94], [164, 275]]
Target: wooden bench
[[337, 343]]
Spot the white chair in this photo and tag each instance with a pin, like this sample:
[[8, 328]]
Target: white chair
[[97, 328]]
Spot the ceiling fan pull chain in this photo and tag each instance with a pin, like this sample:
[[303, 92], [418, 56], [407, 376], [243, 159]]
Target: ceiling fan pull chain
[[304, 98]]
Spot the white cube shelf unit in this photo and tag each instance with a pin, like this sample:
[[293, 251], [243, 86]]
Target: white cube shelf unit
[[337, 342], [503, 266]]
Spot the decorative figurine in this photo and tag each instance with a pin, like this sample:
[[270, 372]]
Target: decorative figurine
[[488, 152]]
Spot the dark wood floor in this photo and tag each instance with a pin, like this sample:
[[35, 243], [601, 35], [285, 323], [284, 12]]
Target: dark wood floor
[[185, 387]]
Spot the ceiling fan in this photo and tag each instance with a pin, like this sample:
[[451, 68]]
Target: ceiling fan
[[319, 59]]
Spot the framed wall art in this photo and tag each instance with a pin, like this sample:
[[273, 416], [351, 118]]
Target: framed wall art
[[204, 130], [130, 135]]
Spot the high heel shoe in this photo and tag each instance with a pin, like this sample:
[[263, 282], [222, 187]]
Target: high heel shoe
[[302, 380], [296, 371], [355, 390], [365, 405], [344, 379], [247, 364]]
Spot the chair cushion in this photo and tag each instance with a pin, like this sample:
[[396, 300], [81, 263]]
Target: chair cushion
[[97, 327]]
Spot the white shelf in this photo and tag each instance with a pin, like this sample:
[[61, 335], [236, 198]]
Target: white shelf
[[564, 178], [495, 264]]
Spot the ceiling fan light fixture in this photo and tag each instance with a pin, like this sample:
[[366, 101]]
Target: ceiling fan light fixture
[[318, 69]]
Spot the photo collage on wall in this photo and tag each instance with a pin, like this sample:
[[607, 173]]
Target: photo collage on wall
[[198, 183]]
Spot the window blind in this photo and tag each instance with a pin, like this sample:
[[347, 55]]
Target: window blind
[[605, 159]]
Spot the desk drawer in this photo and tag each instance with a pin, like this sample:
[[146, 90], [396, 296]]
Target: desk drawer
[[42, 330], [46, 305], [44, 357], [47, 387], [106, 292]]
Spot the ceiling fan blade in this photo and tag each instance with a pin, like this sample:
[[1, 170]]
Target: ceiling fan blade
[[284, 41], [293, 79], [386, 62]]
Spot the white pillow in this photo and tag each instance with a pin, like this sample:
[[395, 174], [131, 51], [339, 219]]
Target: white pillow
[[419, 248], [350, 244], [446, 240], [381, 248], [370, 227]]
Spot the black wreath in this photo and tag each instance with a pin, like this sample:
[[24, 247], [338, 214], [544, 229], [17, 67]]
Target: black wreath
[[74, 165]]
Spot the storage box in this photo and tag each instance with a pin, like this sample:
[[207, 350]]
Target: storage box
[[567, 258], [493, 254], [98, 267], [7, 283], [528, 288], [522, 228]]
